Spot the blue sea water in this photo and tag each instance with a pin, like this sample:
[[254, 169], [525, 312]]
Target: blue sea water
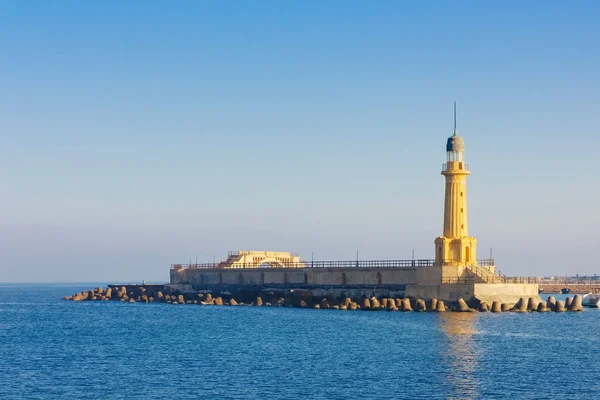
[[53, 349]]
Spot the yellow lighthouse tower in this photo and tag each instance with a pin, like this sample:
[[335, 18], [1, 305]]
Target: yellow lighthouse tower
[[455, 247]]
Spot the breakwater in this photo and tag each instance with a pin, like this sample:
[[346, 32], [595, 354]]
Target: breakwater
[[306, 299]]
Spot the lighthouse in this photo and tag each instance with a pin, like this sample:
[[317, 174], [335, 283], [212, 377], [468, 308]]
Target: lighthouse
[[455, 247]]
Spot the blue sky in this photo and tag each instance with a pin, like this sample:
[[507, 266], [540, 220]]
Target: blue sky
[[138, 134]]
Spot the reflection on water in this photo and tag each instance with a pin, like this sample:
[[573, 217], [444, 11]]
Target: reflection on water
[[462, 352]]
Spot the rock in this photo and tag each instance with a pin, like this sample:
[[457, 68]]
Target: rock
[[99, 290], [131, 300], [159, 295], [559, 307], [195, 302], [123, 289], [440, 307], [150, 299], [366, 304], [167, 298], [505, 307], [303, 303], [180, 299], [219, 301], [67, 298], [551, 303], [353, 306], [144, 298], [336, 307], [433, 304], [232, 302], [78, 297], [258, 302], [316, 306], [420, 305], [462, 305], [496, 306], [576, 304], [188, 302], [343, 307], [542, 307], [406, 305]]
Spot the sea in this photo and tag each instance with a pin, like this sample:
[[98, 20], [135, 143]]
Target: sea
[[55, 349]]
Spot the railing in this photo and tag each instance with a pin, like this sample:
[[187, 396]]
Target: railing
[[461, 167], [333, 264], [315, 264], [487, 262]]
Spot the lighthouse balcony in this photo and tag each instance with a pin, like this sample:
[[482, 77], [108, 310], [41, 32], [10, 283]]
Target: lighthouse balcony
[[455, 166]]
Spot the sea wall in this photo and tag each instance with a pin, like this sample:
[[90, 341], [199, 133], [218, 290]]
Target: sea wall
[[396, 278]]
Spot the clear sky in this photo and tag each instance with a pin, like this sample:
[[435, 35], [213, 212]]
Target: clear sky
[[138, 134]]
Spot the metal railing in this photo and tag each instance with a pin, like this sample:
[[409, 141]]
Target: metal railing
[[330, 264], [461, 167], [314, 264]]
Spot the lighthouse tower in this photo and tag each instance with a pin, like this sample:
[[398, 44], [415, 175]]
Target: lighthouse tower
[[455, 247]]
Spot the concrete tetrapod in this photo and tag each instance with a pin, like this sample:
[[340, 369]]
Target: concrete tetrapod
[[432, 304], [366, 304], [375, 305], [560, 307], [496, 306], [392, 303], [219, 301], [532, 304], [551, 303], [232, 302], [521, 305], [391, 306], [483, 307], [406, 305], [384, 302], [576, 304], [462, 306], [258, 302], [568, 302], [420, 305], [353, 306], [399, 303], [505, 307], [440, 307], [542, 307]]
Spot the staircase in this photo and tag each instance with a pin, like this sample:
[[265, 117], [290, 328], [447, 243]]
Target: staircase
[[485, 275]]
